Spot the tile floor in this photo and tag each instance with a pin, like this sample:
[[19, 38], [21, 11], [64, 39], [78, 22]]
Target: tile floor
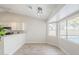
[[38, 49]]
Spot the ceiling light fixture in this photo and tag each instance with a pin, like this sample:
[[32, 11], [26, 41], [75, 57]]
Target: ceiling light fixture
[[39, 11]]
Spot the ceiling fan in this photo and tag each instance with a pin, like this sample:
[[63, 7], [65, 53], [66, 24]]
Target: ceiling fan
[[39, 10]]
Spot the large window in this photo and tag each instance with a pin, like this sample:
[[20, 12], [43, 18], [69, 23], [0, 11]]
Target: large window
[[73, 26], [69, 29], [66, 29], [73, 30], [52, 29]]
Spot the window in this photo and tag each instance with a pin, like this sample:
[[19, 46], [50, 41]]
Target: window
[[73, 26], [52, 29], [73, 30], [69, 30], [62, 29]]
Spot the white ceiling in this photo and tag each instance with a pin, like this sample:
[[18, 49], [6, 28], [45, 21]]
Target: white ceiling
[[25, 9]]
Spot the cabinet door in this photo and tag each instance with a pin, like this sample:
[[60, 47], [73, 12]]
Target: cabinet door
[[1, 47], [13, 42]]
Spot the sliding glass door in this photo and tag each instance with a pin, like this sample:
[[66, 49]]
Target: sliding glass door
[[65, 34], [73, 30], [62, 29], [68, 35], [62, 32]]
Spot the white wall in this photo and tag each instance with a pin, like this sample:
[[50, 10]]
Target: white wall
[[36, 31]]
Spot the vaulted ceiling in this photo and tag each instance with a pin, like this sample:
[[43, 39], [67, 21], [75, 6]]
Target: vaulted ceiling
[[31, 10]]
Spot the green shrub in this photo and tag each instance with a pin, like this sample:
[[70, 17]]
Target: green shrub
[[2, 31]]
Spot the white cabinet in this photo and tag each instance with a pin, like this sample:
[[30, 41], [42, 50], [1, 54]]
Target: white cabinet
[[13, 42], [1, 47]]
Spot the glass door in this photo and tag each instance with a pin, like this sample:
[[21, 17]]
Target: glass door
[[52, 34], [69, 35], [73, 30], [62, 32]]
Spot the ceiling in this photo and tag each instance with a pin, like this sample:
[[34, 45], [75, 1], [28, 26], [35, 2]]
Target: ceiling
[[31, 9]]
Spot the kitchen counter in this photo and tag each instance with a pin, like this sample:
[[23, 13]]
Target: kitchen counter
[[11, 43], [13, 34]]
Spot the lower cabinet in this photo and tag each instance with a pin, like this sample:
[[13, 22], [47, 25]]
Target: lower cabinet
[[11, 43]]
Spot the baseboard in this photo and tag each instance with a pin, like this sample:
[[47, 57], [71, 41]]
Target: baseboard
[[64, 51], [52, 44], [35, 42]]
